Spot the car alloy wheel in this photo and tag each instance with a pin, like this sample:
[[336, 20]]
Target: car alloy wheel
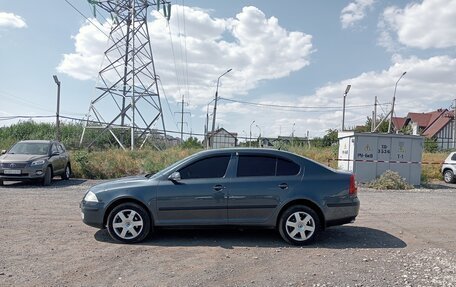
[[448, 176], [128, 223], [299, 225]]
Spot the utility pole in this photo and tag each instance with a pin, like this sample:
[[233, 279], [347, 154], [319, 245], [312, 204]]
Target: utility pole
[[454, 123], [216, 98], [57, 115], [374, 117], [182, 119], [343, 109]]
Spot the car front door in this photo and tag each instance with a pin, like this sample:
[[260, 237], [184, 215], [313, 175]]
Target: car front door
[[260, 184], [199, 197], [55, 159]]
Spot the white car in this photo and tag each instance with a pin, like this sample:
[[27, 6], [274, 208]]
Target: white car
[[449, 168]]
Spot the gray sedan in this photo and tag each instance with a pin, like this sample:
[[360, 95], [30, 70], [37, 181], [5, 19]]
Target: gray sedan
[[35, 160], [237, 187]]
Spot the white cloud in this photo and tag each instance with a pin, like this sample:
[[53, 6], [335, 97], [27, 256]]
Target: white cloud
[[430, 24], [11, 20], [257, 48], [354, 12], [429, 84]]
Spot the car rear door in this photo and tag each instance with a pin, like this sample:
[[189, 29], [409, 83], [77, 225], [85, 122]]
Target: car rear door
[[260, 184], [199, 198]]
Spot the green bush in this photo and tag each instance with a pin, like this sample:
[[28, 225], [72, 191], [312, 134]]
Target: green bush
[[390, 180]]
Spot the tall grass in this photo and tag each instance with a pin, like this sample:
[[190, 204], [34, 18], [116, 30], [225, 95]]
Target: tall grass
[[116, 163]]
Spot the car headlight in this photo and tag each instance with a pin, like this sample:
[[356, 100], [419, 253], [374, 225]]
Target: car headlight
[[90, 197], [38, 162]]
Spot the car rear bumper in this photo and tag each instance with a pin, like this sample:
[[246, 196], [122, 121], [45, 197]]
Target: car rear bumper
[[342, 213], [92, 214]]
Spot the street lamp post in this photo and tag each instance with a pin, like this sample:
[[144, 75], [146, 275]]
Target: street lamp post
[[343, 109], [57, 115], [216, 98], [250, 134], [394, 100], [259, 136], [206, 135]]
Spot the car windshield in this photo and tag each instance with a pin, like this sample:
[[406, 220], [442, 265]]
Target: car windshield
[[30, 148]]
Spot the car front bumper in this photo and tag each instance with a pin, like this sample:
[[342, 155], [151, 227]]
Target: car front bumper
[[92, 213], [24, 173]]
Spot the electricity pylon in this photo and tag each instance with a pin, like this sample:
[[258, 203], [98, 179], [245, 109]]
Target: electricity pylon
[[128, 98]]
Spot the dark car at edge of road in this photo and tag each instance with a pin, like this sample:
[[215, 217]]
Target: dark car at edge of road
[[237, 187], [35, 160]]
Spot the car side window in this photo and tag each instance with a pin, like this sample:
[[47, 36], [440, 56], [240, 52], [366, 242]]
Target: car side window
[[286, 167], [212, 167], [256, 166], [453, 157], [54, 149]]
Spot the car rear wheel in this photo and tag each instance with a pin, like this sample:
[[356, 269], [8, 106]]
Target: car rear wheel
[[299, 225], [448, 176], [47, 176], [129, 223], [67, 172]]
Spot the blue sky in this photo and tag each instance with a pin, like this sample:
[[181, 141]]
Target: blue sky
[[301, 54]]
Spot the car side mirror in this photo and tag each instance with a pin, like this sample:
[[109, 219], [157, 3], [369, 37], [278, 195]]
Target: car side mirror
[[175, 176], [3, 151]]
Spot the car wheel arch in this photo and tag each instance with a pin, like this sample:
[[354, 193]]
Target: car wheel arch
[[307, 203], [119, 201]]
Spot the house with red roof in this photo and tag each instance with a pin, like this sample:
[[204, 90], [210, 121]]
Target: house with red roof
[[436, 124]]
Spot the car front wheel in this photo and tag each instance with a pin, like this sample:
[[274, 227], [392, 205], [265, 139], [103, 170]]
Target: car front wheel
[[47, 177], [448, 176], [128, 223], [299, 225]]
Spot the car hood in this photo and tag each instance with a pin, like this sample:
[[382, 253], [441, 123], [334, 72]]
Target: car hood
[[125, 182], [20, 157]]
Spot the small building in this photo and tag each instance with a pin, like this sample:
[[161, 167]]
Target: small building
[[437, 125], [222, 139], [369, 155]]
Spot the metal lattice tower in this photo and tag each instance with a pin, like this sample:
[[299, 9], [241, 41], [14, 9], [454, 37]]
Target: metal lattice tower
[[128, 98]]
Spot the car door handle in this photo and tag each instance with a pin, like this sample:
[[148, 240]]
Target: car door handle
[[218, 187], [283, 186]]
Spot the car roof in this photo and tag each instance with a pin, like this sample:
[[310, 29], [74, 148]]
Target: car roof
[[37, 141], [248, 150]]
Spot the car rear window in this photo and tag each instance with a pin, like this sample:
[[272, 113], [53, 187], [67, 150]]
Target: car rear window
[[254, 165], [286, 167]]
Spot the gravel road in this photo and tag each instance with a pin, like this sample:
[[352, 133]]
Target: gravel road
[[400, 238]]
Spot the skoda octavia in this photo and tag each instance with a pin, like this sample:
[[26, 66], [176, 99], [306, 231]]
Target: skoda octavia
[[237, 187]]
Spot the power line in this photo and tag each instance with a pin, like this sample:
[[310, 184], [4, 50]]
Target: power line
[[293, 107], [80, 13]]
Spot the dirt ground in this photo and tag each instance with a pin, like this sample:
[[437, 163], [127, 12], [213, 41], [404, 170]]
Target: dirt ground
[[400, 238]]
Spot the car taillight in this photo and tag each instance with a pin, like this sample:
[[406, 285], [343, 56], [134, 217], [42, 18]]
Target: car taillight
[[353, 189]]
